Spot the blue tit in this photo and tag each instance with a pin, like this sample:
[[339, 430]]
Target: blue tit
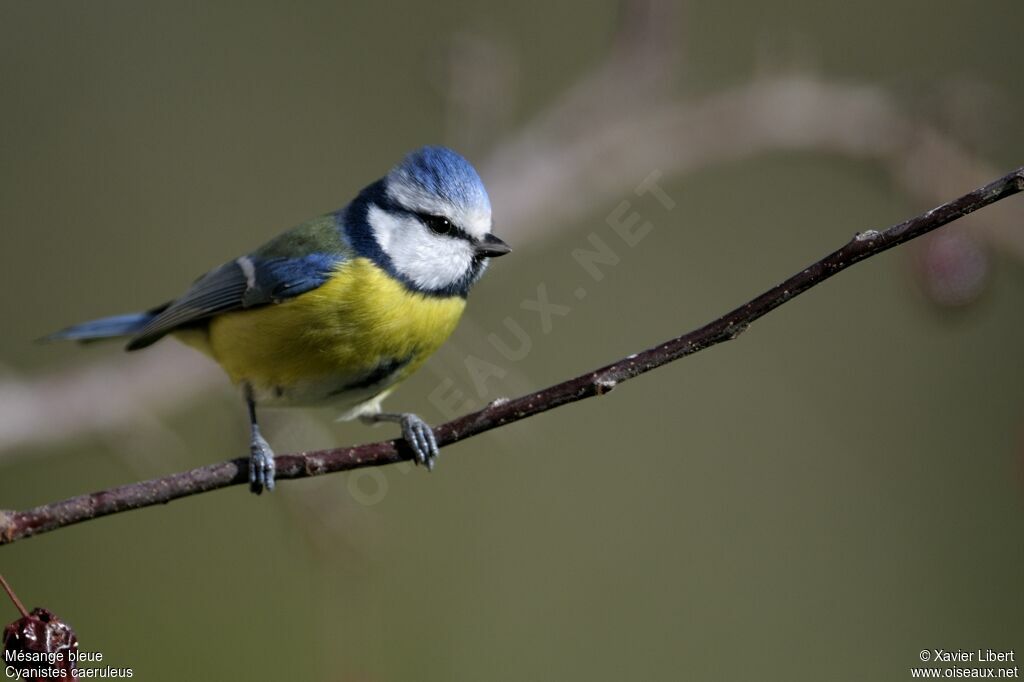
[[340, 309]]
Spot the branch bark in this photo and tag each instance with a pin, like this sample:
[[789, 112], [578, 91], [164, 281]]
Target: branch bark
[[17, 525]]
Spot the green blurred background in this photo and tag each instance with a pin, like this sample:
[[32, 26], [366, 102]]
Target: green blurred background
[[835, 491]]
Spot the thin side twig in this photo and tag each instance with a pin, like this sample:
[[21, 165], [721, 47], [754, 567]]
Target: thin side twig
[[17, 525], [13, 597]]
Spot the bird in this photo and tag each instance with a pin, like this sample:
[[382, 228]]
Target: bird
[[339, 309]]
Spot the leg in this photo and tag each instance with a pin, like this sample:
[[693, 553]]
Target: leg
[[416, 432], [261, 457]]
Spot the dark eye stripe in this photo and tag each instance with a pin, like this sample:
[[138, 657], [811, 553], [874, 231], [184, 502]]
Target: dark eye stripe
[[440, 225], [386, 204]]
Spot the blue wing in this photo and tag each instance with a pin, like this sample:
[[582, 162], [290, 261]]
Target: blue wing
[[247, 282]]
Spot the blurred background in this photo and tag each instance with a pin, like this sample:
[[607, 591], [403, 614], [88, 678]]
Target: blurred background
[[825, 497]]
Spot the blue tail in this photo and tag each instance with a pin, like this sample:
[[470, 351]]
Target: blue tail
[[103, 328]]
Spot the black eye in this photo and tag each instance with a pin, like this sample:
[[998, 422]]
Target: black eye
[[438, 224]]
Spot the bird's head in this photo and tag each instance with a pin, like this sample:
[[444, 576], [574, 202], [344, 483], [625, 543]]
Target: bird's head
[[429, 220]]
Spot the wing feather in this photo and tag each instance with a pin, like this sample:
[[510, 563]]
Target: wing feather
[[247, 282]]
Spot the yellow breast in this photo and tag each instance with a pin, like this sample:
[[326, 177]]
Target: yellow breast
[[317, 345]]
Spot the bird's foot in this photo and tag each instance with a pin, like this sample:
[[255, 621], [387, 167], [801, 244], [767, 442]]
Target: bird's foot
[[416, 432], [420, 437], [261, 465]]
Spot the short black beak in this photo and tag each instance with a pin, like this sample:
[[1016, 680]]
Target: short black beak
[[491, 247]]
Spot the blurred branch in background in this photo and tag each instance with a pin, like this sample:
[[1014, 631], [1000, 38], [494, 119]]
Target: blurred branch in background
[[587, 148], [103, 395], [17, 525]]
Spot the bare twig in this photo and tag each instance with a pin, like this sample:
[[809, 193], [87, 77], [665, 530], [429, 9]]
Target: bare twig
[[13, 597], [16, 525]]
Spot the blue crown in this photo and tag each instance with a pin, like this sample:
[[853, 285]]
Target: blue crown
[[442, 172]]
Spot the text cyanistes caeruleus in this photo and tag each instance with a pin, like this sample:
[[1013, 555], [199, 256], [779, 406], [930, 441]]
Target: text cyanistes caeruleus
[[339, 309]]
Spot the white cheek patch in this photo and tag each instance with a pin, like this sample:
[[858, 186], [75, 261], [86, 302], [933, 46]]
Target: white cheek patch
[[385, 226], [429, 260]]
